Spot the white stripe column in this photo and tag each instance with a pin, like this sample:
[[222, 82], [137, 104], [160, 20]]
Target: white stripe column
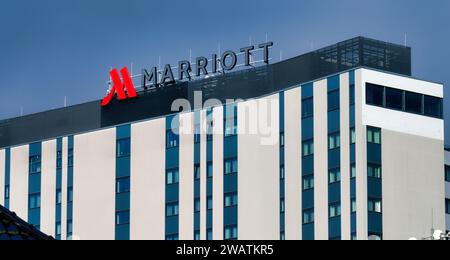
[[48, 187], [19, 181]]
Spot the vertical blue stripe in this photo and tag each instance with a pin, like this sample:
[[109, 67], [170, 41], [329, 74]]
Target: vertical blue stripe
[[209, 174], [70, 157], [7, 176], [34, 184], [353, 218], [58, 192], [172, 165], [282, 167], [197, 155], [123, 174], [374, 186], [307, 161], [230, 180]]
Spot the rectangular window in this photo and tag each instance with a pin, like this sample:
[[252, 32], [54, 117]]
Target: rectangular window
[[373, 135], [335, 210], [123, 148], [70, 229], [34, 201], [172, 177], [307, 107], [209, 234], [230, 125], [197, 205], [447, 206], [374, 171], [231, 166], [394, 98], [282, 206], [352, 136], [447, 173], [308, 148], [374, 205], [334, 141], [352, 171], [70, 158], [58, 229], [333, 100], [70, 195], [230, 232], [413, 102], [172, 209], [282, 236], [59, 160], [282, 172], [197, 172], [122, 217], [282, 140], [172, 139], [197, 135], [197, 235], [209, 169], [308, 182], [35, 164], [209, 203], [58, 197], [173, 237], [433, 106], [354, 206], [230, 199], [308, 216], [374, 95], [334, 176], [123, 185], [6, 192], [352, 94]]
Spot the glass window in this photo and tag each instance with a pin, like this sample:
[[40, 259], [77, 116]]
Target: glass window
[[433, 106], [334, 176], [58, 229], [333, 100], [308, 182], [35, 164], [352, 94], [231, 199], [70, 158], [209, 234], [282, 172], [123, 185], [70, 229], [374, 171], [172, 139], [353, 171], [374, 135], [307, 107], [209, 203], [374, 94], [197, 172], [230, 125], [122, 217], [70, 195], [447, 173], [172, 237], [123, 148], [231, 232], [334, 141], [172, 209], [447, 206], [34, 201], [353, 205], [335, 210], [231, 166], [308, 148], [282, 206], [308, 216], [282, 236], [413, 103], [209, 170], [374, 205], [352, 136], [197, 136], [394, 98], [58, 197], [197, 205], [172, 177], [197, 235], [6, 192], [59, 160], [282, 139]]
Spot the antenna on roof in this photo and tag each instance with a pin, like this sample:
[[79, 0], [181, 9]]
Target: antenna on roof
[[281, 55], [21, 110], [267, 37], [406, 38], [65, 101]]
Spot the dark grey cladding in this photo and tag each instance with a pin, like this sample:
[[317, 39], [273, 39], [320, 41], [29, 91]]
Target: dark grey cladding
[[244, 84]]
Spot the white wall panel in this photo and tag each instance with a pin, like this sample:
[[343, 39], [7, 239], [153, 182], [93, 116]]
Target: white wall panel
[[48, 187], [2, 176], [19, 181]]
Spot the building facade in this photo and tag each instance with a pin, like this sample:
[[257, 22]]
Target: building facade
[[337, 144], [447, 189]]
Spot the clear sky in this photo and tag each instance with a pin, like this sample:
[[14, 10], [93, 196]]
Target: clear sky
[[50, 49]]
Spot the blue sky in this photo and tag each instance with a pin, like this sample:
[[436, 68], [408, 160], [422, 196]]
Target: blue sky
[[51, 49]]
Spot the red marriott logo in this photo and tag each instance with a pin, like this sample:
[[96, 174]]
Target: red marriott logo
[[120, 87]]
